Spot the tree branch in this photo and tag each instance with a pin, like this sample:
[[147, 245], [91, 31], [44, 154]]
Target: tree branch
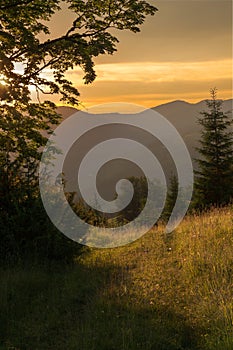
[[17, 3]]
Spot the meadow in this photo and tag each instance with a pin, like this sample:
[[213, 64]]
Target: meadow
[[162, 292]]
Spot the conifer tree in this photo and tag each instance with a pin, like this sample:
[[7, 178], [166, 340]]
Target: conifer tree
[[171, 197], [214, 178]]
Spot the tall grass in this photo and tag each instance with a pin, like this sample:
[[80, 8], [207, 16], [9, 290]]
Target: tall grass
[[161, 292]]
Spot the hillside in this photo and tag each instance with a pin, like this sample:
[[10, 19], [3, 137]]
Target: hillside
[[181, 114], [159, 293], [184, 115]]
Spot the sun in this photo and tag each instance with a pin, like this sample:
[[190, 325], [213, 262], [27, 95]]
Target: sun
[[2, 80]]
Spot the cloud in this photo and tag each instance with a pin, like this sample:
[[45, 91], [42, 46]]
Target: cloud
[[154, 93], [152, 83], [158, 72]]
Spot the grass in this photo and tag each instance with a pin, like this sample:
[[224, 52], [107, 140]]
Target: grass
[[160, 293]]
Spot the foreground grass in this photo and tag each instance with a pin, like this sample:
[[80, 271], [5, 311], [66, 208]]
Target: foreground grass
[[159, 293]]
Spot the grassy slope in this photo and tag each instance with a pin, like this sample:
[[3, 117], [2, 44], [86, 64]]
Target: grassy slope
[[157, 293]]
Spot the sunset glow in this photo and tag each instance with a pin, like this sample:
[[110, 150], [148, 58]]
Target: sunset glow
[[181, 52], [153, 83]]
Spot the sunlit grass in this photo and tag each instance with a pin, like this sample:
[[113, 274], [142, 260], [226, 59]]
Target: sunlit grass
[[165, 292]]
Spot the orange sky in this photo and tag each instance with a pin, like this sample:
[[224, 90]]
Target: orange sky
[[181, 52]]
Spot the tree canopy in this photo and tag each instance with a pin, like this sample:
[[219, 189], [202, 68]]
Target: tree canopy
[[27, 52], [23, 21]]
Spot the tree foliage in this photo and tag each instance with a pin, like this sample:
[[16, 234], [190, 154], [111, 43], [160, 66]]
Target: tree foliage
[[141, 186], [214, 182], [87, 38], [171, 197], [27, 52], [24, 56]]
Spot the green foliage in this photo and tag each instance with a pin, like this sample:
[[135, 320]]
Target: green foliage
[[126, 215], [26, 51], [141, 194], [140, 198], [171, 197], [25, 230], [21, 141], [87, 214], [22, 48], [214, 181], [87, 37], [28, 235]]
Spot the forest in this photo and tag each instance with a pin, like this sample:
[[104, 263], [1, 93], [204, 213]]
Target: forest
[[163, 291]]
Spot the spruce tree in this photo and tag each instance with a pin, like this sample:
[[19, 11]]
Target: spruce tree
[[214, 177], [171, 197]]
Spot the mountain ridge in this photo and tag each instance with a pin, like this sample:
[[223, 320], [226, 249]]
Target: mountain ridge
[[68, 110], [183, 115]]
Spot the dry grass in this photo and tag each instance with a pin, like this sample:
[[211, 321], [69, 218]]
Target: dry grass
[[160, 293]]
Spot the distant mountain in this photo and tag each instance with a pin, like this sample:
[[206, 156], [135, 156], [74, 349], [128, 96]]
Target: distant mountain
[[181, 114], [184, 116], [66, 111]]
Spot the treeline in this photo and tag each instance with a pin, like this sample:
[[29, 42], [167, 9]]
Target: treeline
[[26, 230], [213, 180]]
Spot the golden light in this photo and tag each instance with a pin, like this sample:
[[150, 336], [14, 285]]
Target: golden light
[[2, 80]]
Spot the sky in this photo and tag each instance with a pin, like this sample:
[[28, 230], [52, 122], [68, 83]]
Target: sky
[[181, 52]]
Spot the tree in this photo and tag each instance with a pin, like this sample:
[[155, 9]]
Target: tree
[[21, 46], [171, 197], [214, 178], [139, 200], [24, 57], [87, 37]]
